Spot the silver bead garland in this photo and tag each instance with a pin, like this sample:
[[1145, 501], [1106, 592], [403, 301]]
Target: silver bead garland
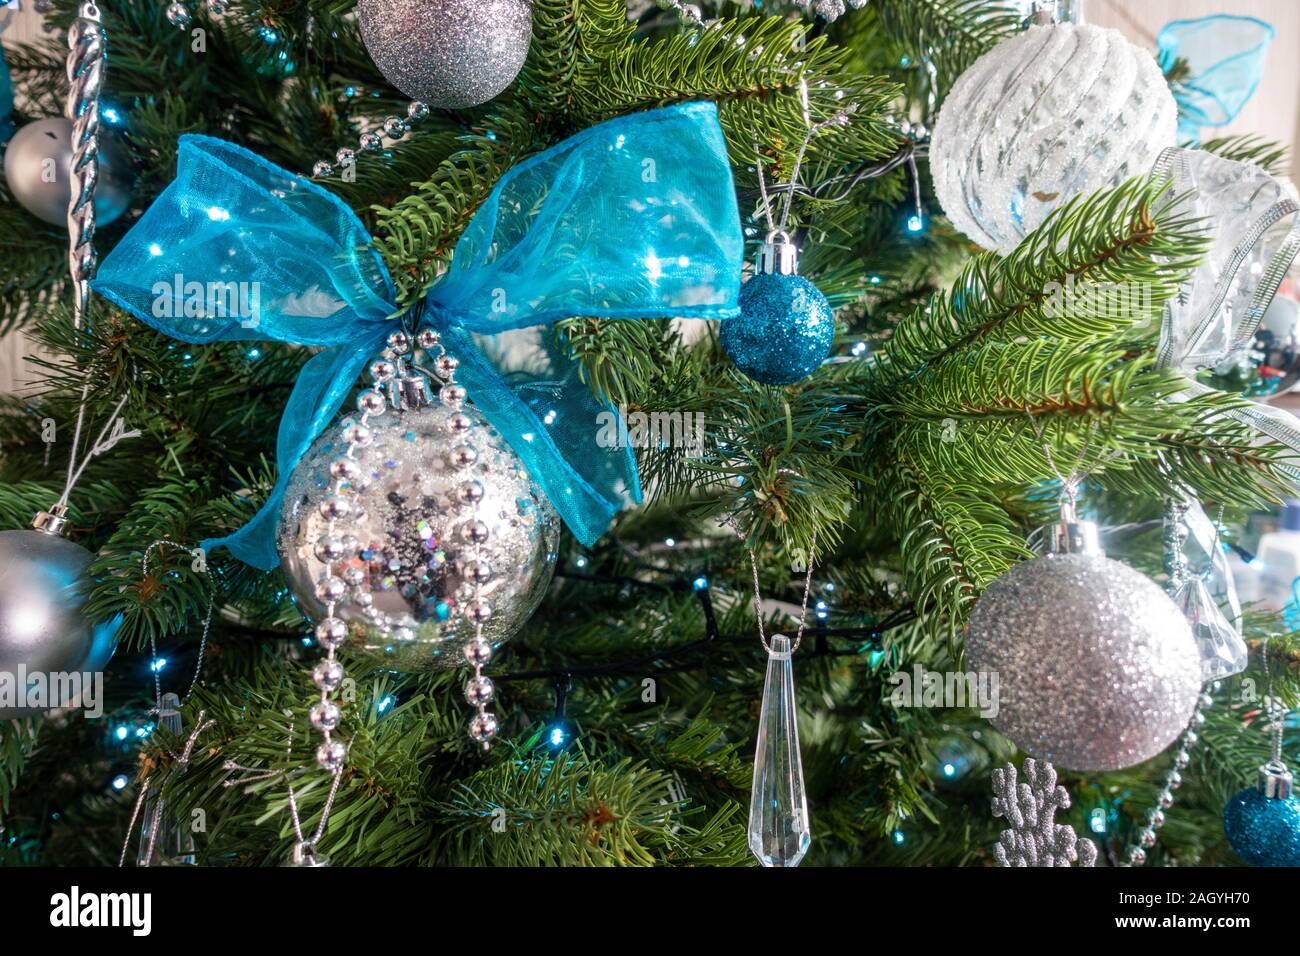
[[1145, 838], [397, 370], [393, 128]]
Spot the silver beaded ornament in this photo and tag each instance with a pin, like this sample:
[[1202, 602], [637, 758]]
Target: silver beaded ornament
[[420, 524], [448, 53], [1097, 667]]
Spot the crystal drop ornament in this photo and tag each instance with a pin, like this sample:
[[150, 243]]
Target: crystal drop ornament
[[779, 831], [163, 841], [1223, 652]]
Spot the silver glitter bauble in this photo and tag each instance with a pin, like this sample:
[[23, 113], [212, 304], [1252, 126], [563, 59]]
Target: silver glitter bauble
[[417, 496], [1051, 113], [43, 626], [1097, 668], [37, 162], [447, 53]]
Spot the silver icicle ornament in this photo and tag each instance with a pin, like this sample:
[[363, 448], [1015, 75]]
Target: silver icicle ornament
[[44, 630], [1097, 668], [448, 53]]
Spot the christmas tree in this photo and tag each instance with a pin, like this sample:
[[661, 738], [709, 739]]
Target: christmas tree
[[843, 496]]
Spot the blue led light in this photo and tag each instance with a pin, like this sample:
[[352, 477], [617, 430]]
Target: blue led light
[[120, 782], [701, 583], [557, 736], [915, 223], [949, 770], [386, 703], [157, 664], [121, 733], [898, 836], [582, 561]]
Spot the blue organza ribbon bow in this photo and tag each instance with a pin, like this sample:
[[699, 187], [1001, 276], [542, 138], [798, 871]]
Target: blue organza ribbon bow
[[633, 218], [1225, 57], [6, 100]]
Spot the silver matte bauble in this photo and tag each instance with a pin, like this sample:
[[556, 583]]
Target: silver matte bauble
[[37, 163], [447, 53], [1097, 668], [1276, 351], [415, 506], [1046, 115], [43, 625]]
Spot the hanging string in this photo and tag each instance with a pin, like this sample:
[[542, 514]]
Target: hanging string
[[841, 118], [207, 622], [254, 775]]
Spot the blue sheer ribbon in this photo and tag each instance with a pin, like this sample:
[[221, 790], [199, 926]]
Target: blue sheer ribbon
[[6, 100], [633, 218], [1225, 55]]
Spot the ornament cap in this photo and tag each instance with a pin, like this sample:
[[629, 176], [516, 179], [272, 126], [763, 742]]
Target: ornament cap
[[1275, 780], [778, 256], [1048, 12], [1072, 536], [51, 522], [410, 391]]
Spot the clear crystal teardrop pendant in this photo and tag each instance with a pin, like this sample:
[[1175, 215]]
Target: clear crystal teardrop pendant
[[779, 831]]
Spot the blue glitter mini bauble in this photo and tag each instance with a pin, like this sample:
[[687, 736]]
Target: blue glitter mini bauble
[[784, 330], [1264, 831]]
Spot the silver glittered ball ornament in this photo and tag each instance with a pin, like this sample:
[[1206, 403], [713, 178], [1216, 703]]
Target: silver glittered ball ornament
[[438, 528], [1097, 668], [44, 629], [448, 53], [37, 164], [1057, 111]]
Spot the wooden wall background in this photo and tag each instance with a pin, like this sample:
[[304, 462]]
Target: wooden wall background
[[1274, 111]]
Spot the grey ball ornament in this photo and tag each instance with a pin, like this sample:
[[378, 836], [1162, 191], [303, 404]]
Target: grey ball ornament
[[410, 604], [43, 626], [448, 53], [37, 161], [1097, 668]]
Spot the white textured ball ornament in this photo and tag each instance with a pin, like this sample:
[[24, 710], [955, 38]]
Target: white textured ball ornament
[[1046, 115], [37, 163], [448, 53], [1097, 668], [436, 505]]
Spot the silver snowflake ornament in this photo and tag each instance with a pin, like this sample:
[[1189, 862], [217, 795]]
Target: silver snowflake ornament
[[1035, 838]]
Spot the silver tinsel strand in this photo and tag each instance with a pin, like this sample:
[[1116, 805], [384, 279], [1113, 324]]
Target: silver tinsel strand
[[1035, 838]]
